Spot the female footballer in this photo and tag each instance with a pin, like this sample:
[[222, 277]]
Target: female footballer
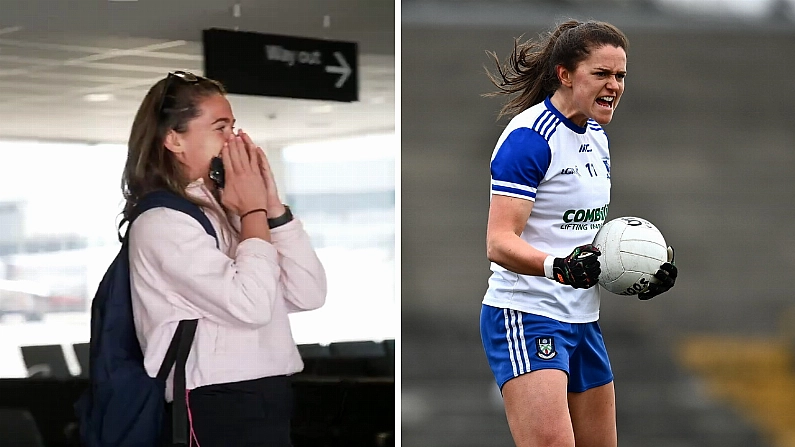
[[550, 193]]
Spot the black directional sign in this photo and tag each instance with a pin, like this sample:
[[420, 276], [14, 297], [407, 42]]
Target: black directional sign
[[272, 65]]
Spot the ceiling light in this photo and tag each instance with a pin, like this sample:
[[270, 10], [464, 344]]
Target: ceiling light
[[98, 97]]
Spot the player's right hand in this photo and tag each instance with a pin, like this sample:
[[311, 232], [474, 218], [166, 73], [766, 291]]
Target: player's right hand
[[580, 269]]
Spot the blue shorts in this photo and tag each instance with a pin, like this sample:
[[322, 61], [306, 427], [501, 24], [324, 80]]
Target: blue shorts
[[517, 343]]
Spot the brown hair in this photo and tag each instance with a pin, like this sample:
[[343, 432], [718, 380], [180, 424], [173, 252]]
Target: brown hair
[[150, 166], [529, 72]]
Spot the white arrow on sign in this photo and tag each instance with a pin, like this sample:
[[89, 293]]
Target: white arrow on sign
[[344, 70]]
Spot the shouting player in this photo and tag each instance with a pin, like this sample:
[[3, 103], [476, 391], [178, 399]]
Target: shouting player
[[550, 191]]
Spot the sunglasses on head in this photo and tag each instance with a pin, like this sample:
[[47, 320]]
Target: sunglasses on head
[[183, 76]]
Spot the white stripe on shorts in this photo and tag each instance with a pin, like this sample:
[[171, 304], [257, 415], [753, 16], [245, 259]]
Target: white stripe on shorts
[[516, 349], [516, 342], [524, 343], [508, 337]]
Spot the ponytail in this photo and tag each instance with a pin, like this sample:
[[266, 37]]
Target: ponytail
[[529, 74]]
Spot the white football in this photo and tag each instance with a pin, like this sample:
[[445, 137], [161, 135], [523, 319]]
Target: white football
[[632, 251]]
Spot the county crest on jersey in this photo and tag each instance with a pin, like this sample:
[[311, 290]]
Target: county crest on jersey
[[563, 168]]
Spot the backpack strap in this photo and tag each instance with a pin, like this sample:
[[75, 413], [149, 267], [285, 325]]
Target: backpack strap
[[167, 199], [177, 356]]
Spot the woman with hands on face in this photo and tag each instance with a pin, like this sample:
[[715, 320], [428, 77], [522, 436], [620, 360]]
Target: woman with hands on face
[[242, 290]]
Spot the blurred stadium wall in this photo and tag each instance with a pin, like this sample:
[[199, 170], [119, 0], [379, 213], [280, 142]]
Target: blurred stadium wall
[[702, 145]]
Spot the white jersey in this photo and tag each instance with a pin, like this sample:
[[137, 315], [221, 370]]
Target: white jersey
[[544, 157]]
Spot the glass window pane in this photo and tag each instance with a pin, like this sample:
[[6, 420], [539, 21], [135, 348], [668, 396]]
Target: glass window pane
[[344, 191], [58, 218]]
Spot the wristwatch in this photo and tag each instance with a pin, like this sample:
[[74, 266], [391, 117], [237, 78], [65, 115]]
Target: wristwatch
[[281, 220]]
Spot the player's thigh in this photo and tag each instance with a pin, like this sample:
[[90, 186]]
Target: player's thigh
[[593, 416], [537, 409]]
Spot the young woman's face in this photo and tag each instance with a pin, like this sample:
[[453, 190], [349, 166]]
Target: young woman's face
[[597, 84], [206, 136]]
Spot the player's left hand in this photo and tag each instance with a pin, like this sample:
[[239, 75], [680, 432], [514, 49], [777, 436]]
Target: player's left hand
[[666, 277]]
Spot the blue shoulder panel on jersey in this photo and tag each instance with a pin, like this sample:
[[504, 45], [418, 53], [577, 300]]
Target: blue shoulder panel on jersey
[[520, 164]]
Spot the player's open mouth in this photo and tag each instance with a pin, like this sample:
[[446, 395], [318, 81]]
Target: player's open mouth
[[606, 101]]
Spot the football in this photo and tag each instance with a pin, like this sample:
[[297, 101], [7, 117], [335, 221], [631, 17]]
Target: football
[[632, 251]]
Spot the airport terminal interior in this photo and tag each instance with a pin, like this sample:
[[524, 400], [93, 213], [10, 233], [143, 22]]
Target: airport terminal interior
[[373, 116], [72, 76]]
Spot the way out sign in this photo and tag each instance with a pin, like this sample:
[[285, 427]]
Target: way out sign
[[291, 67]]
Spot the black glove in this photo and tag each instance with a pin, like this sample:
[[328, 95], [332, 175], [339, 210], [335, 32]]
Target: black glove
[[580, 269], [666, 276]]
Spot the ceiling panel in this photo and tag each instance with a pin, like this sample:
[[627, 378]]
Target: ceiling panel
[[58, 58]]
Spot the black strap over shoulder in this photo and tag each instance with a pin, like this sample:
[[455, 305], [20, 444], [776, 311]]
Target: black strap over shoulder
[[167, 199]]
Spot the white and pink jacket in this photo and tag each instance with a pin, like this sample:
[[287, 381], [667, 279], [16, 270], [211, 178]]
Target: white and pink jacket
[[241, 294]]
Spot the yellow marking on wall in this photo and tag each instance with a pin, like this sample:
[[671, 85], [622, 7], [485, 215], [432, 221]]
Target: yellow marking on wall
[[756, 374]]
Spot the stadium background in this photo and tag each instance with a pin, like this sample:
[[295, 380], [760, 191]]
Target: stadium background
[[702, 146]]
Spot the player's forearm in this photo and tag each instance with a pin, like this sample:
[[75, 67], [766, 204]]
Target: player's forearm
[[516, 255]]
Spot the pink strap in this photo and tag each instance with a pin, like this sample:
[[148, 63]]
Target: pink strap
[[190, 422]]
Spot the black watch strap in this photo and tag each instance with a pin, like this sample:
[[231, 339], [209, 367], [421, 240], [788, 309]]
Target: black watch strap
[[281, 220]]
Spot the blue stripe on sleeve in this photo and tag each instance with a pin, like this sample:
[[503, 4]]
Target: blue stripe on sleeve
[[520, 164], [513, 192]]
